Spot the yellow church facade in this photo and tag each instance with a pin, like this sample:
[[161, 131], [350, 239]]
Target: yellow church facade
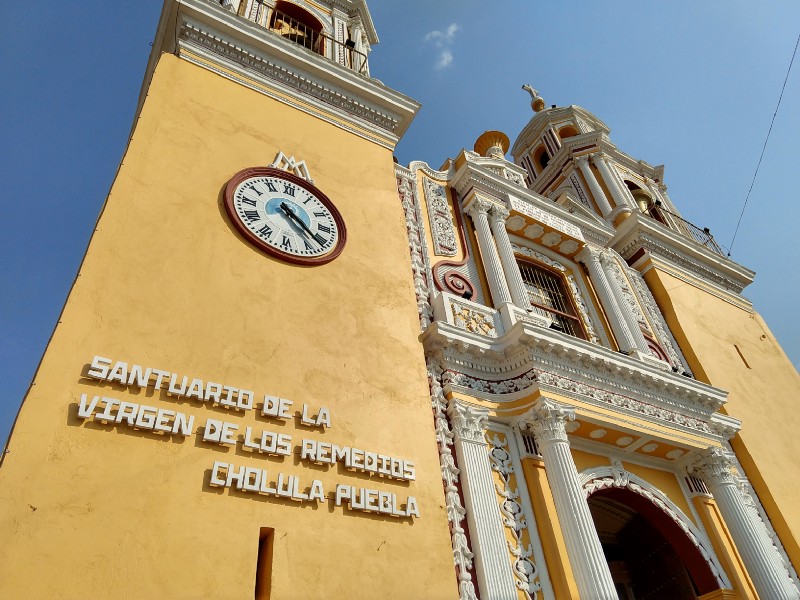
[[290, 368]]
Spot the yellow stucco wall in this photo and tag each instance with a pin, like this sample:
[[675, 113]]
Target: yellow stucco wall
[[89, 511], [763, 392]]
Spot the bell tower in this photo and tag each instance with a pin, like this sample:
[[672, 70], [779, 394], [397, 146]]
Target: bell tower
[[234, 401]]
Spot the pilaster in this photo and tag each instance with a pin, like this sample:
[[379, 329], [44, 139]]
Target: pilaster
[[770, 580], [547, 421], [478, 210], [597, 191], [612, 309], [519, 293], [492, 565]]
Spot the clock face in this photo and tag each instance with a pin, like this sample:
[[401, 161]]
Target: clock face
[[285, 216]]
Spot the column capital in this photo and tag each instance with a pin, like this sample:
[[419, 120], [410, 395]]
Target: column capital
[[597, 156], [714, 467], [587, 255], [469, 422], [547, 420], [498, 213], [582, 160], [479, 206]]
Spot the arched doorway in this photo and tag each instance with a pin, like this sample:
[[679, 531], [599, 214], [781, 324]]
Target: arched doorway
[[649, 555]]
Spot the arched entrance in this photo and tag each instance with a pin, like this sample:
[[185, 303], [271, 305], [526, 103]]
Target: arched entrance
[[650, 556]]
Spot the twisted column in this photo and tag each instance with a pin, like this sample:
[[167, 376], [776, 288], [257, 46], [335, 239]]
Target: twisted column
[[597, 191], [547, 421], [492, 562], [478, 209], [519, 293], [770, 580]]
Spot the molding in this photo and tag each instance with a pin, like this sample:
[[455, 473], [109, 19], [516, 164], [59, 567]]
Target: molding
[[599, 478], [420, 264], [638, 231], [462, 555], [528, 360], [244, 51], [443, 229], [526, 574]]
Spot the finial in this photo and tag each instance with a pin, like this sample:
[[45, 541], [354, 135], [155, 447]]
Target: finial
[[493, 144], [537, 103]]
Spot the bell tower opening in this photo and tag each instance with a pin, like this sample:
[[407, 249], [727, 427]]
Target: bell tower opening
[[298, 25], [649, 555]]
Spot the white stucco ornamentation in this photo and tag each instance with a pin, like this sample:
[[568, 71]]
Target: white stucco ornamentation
[[462, 555], [472, 320], [525, 572], [616, 476], [495, 575], [420, 265], [292, 165], [769, 576], [550, 220], [662, 331], [443, 230], [547, 421]]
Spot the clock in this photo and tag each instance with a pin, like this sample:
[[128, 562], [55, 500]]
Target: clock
[[285, 216]]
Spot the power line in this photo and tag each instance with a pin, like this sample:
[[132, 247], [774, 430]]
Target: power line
[[760, 158]]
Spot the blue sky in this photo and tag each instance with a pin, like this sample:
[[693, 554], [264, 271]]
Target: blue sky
[[692, 85]]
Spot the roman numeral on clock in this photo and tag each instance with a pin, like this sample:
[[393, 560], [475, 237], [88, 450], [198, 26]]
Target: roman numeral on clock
[[265, 231], [288, 189], [323, 228], [271, 186], [248, 201], [319, 214], [286, 243], [252, 215]]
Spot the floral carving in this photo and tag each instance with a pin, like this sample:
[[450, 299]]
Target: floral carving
[[526, 575], [419, 259], [474, 321], [462, 556], [441, 220]]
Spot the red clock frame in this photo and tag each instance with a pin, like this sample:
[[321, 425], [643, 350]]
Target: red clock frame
[[241, 176]]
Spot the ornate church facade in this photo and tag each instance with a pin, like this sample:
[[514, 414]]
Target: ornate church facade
[[291, 368]]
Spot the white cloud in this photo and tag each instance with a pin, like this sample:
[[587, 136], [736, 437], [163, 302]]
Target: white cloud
[[443, 39], [445, 58]]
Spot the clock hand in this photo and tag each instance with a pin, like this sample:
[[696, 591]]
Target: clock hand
[[290, 213]]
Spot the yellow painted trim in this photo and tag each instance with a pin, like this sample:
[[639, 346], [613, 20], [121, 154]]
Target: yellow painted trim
[[549, 527], [725, 549]]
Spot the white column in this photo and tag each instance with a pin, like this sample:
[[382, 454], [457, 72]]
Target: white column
[[492, 560], [519, 294], [770, 580], [622, 197], [597, 192], [625, 310], [478, 210], [547, 420], [612, 310]]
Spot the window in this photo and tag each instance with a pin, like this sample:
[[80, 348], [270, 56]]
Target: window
[[549, 299], [297, 25]]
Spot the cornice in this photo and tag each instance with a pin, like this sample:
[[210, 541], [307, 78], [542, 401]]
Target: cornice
[[528, 360], [638, 231], [543, 119], [245, 52], [470, 175]]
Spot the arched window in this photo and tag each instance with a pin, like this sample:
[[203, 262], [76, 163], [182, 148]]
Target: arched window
[[541, 157], [298, 25], [645, 202], [549, 298], [567, 132]]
